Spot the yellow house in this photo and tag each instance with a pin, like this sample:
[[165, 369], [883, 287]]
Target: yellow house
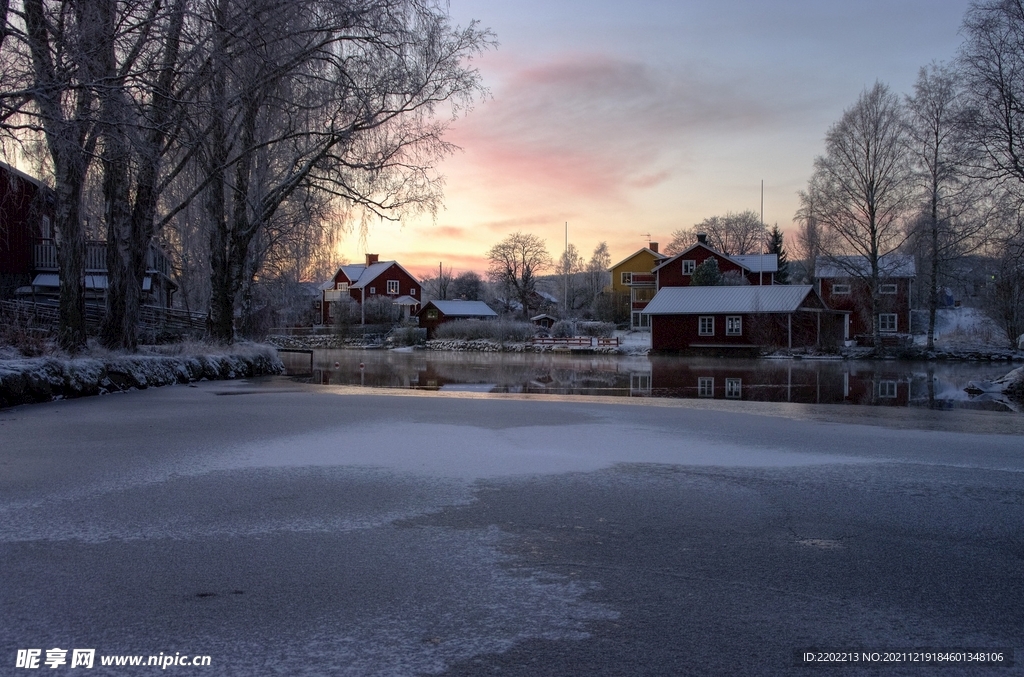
[[633, 283]]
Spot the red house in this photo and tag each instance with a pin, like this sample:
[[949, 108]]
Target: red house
[[26, 216], [436, 313], [843, 282], [758, 269], [28, 251], [374, 278], [741, 319]]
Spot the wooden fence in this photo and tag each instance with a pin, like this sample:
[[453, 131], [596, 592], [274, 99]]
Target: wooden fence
[[577, 341], [37, 315]]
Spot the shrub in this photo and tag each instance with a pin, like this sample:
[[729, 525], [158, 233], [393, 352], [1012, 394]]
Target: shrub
[[563, 329], [407, 336]]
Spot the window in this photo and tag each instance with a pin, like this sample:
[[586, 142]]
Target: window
[[47, 232], [887, 322], [840, 289], [705, 386], [627, 278], [733, 388], [688, 266], [343, 286], [412, 291], [733, 326], [392, 287], [641, 320], [887, 289], [640, 383], [373, 290], [707, 325], [887, 389], [431, 313]]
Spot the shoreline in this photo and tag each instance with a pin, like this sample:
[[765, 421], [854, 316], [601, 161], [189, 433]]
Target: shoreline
[[45, 379]]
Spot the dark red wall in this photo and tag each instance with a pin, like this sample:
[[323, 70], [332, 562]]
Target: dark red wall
[[406, 285], [858, 302], [22, 206], [680, 332]]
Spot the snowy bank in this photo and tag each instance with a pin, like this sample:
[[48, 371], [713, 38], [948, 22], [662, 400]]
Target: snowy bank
[[41, 379], [1010, 385]]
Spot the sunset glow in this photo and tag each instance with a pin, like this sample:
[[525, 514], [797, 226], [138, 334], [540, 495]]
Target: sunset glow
[[638, 118]]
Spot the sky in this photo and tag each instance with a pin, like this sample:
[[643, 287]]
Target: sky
[[628, 119]]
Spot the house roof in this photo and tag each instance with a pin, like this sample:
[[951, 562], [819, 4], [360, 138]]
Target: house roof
[[758, 263], [889, 265], [361, 275], [406, 301], [754, 263], [463, 308], [744, 299], [657, 256], [22, 175]]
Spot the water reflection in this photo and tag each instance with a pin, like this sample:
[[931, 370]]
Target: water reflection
[[884, 383]]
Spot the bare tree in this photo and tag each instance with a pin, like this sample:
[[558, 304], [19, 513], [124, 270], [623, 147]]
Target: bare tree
[[51, 65], [514, 265], [948, 226], [339, 98], [570, 270], [734, 233], [861, 188]]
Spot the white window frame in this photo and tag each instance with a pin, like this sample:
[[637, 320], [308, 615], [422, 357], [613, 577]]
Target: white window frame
[[705, 386], [393, 287], [887, 390], [887, 289], [412, 291], [734, 325], [701, 320], [46, 228], [888, 323], [373, 290], [733, 388], [626, 278], [840, 289], [641, 320], [689, 265]]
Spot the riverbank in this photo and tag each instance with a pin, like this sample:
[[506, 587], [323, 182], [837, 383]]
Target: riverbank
[[43, 379]]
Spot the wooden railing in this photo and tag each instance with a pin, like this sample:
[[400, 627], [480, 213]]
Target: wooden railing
[[578, 341], [96, 258]]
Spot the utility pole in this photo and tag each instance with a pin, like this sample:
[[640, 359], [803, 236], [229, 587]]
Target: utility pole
[[760, 273], [565, 275]]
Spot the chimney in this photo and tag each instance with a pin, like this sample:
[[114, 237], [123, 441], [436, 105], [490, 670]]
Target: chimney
[[702, 238], [653, 246], [372, 259]]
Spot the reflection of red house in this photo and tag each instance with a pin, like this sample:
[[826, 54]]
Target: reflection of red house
[[747, 268], [777, 381], [741, 319], [26, 215], [844, 284], [374, 278]]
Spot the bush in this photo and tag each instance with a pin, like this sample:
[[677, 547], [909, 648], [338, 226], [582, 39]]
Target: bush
[[599, 329], [494, 330], [563, 329], [407, 336]]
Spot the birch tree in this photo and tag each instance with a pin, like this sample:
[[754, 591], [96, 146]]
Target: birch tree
[[861, 189], [949, 225]]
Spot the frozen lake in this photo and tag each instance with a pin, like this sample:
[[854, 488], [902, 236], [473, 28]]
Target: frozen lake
[[874, 383]]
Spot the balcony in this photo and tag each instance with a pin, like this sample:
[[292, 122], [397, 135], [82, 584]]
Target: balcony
[[96, 258], [641, 280]]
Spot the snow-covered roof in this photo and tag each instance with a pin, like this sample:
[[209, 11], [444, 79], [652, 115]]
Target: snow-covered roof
[[745, 299], [547, 297], [758, 263], [406, 301], [360, 275], [889, 265], [656, 255], [464, 308], [542, 316], [22, 175], [754, 263]]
